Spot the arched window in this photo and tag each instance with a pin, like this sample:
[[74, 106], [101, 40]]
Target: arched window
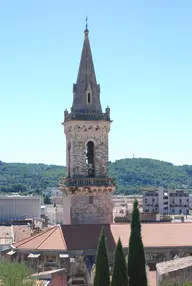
[[90, 159], [69, 159]]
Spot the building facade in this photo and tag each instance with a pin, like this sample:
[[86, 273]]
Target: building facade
[[172, 202], [52, 192], [87, 188], [19, 207]]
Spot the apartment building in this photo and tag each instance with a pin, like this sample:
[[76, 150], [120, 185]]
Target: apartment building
[[166, 201]]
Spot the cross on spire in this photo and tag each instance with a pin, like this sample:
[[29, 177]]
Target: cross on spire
[[86, 26]]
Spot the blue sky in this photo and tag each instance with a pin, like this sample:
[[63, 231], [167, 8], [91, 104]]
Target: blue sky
[[142, 52]]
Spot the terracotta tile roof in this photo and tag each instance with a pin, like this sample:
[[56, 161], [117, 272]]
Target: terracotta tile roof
[[153, 234], [81, 237], [157, 234], [52, 238]]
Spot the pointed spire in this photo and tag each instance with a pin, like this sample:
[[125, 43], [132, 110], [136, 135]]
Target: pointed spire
[[86, 90], [86, 67]]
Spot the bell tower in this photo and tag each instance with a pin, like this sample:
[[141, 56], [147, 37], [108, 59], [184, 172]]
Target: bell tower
[[87, 189]]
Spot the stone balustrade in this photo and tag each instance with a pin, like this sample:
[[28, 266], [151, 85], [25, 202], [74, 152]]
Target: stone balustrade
[[86, 116], [88, 181]]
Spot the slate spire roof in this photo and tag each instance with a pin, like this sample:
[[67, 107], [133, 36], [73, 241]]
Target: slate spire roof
[[86, 91], [86, 68]]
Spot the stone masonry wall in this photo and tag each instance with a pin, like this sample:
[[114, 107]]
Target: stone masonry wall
[[78, 134], [92, 210]]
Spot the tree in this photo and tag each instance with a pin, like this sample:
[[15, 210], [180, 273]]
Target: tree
[[136, 257], [47, 200], [15, 274], [102, 276], [119, 277]]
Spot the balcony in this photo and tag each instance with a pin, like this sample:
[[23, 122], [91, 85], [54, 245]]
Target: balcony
[[88, 181], [86, 116]]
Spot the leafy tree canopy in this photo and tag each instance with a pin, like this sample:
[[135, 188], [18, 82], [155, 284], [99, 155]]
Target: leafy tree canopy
[[15, 274], [132, 175]]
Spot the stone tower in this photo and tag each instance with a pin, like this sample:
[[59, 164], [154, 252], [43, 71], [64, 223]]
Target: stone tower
[[87, 189]]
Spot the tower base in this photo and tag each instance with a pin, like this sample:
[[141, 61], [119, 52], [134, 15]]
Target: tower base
[[88, 204]]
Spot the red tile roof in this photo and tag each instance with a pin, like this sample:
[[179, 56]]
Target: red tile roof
[[157, 234], [71, 237], [52, 238]]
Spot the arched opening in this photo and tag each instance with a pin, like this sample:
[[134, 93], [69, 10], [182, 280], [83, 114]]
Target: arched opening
[[69, 160], [90, 159]]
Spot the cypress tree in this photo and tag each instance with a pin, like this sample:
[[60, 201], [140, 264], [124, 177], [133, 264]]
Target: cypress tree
[[102, 276], [136, 257], [119, 277]]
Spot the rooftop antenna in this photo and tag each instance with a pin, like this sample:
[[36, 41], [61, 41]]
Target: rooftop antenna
[[86, 26]]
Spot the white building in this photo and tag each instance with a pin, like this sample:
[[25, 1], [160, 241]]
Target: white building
[[52, 192], [55, 214], [172, 202], [19, 207]]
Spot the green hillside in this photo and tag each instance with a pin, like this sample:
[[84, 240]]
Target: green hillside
[[132, 175]]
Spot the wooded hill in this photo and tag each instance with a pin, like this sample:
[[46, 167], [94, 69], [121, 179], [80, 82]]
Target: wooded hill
[[132, 175]]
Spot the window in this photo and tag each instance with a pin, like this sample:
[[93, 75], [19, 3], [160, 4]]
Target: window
[[90, 200], [90, 159], [89, 97]]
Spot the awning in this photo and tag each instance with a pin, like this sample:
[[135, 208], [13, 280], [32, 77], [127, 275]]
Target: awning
[[34, 255], [11, 252], [61, 255]]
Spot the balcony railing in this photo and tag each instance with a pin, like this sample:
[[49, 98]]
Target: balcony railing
[[77, 182], [86, 116]]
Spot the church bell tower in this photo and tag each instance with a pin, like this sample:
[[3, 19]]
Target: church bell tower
[[87, 189]]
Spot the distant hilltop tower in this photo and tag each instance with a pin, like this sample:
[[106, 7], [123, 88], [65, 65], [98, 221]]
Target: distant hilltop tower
[[87, 189]]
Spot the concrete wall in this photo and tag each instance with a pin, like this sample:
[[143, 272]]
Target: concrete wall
[[18, 207]]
